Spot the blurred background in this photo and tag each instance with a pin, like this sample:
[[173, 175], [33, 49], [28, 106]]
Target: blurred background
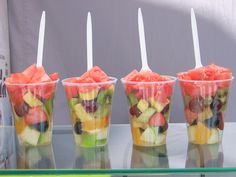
[[116, 44]]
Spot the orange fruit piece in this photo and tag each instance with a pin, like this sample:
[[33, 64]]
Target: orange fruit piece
[[136, 135], [20, 125], [95, 124]]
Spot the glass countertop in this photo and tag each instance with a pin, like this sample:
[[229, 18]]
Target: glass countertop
[[119, 156]]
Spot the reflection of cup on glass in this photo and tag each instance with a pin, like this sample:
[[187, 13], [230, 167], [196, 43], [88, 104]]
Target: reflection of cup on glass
[[41, 157], [7, 147], [92, 158], [204, 156], [149, 157]]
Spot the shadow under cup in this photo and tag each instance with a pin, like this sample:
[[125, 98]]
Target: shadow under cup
[[205, 103], [149, 108], [90, 110], [32, 108]]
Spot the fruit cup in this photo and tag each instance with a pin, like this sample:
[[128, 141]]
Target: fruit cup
[[32, 108], [90, 110], [149, 108], [205, 103]]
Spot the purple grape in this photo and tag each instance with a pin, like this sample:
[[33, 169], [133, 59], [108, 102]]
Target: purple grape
[[21, 109], [196, 105], [216, 105], [134, 111], [78, 128], [90, 106], [41, 126], [165, 109]]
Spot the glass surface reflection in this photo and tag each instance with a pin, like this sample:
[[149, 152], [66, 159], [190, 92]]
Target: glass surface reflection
[[7, 147], [41, 157], [204, 156], [149, 157], [92, 158]]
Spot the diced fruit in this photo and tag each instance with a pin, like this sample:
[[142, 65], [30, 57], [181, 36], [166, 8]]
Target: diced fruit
[[20, 125], [192, 133], [202, 133], [221, 120], [166, 109], [41, 126], [49, 107], [95, 124], [103, 111], [148, 136], [159, 106], [54, 76], [31, 100], [144, 117], [162, 129], [30, 136], [133, 100], [97, 74], [213, 122], [190, 116], [134, 111], [157, 120], [205, 114], [21, 109], [136, 135], [208, 100], [142, 105], [35, 115], [187, 99], [222, 92], [73, 101], [88, 140], [81, 113], [196, 104], [78, 128], [91, 95], [90, 106], [216, 105], [105, 96], [102, 134], [30, 71], [214, 137], [45, 138], [136, 124], [71, 90]]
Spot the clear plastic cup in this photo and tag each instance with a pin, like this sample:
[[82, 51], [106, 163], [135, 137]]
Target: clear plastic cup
[[205, 103], [32, 108], [149, 108], [90, 110]]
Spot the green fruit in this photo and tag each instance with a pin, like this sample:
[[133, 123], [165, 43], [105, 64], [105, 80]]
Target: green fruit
[[49, 107], [158, 105], [88, 140], [144, 117], [133, 100], [30, 136], [31, 100], [91, 95], [221, 92], [81, 113], [44, 138], [105, 96], [207, 100], [102, 134], [142, 105], [148, 136], [103, 111], [72, 102]]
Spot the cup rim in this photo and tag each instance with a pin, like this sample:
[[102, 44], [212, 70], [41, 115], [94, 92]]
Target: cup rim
[[32, 84], [206, 81], [111, 80], [173, 80]]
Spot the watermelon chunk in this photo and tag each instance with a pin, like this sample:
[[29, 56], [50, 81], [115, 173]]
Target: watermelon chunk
[[54, 76]]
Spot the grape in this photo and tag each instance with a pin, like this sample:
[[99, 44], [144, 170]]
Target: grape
[[216, 105], [165, 109], [90, 106], [163, 128], [78, 128], [134, 111], [41, 126], [21, 109], [213, 122], [196, 104]]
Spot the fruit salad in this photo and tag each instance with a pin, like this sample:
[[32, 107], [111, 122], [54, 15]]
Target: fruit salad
[[31, 95], [90, 98], [149, 98], [205, 93]]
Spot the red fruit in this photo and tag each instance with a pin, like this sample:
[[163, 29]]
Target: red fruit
[[54, 76], [157, 120], [30, 71], [134, 111], [131, 75], [40, 76], [190, 116], [35, 115], [96, 74], [18, 78], [196, 105]]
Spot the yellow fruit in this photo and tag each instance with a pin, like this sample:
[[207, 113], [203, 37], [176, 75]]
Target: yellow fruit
[[136, 136], [191, 133], [202, 134], [95, 124], [20, 125], [89, 95]]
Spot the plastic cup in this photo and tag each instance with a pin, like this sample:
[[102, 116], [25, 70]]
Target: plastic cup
[[149, 108], [90, 110], [32, 108], [205, 104]]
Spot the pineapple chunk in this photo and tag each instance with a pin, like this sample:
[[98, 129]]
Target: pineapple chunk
[[81, 113], [205, 114], [158, 105], [191, 133], [214, 137], [31, 100], [142, 105], [202, 134], [91, 95], [30, 136]]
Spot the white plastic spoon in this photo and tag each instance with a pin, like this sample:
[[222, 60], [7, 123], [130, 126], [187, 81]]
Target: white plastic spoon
[[41, 41], [197, 54], [142, 43], [89, 42]]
